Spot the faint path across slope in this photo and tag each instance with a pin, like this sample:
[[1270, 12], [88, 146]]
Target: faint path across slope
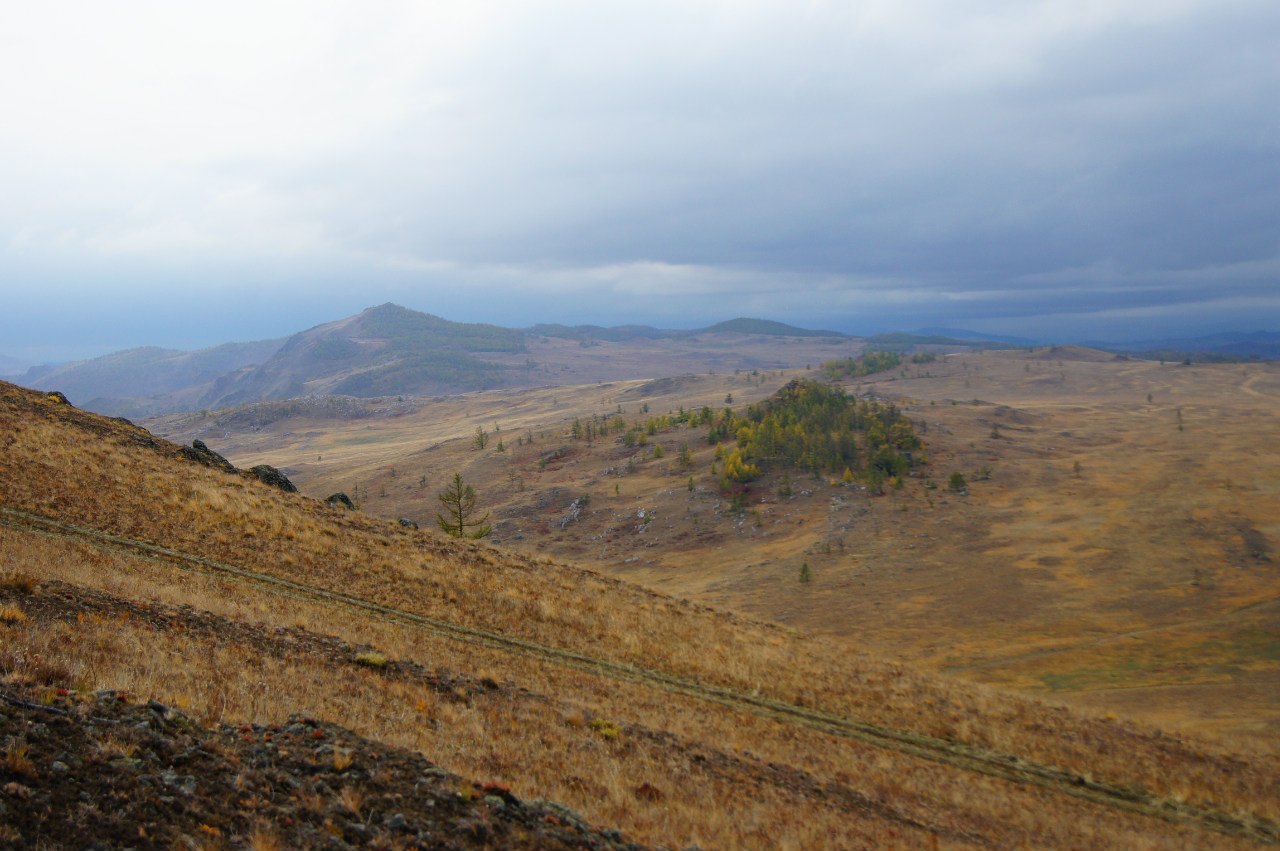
[[1004, 766]]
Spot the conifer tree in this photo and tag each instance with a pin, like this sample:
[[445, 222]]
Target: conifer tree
[[459, 517]]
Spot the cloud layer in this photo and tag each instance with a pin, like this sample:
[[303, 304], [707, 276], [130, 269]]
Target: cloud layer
[[1061, 168]]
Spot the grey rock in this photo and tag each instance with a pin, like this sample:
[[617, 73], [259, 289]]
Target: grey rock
[[202, 454], [267, 474], [342, 499]]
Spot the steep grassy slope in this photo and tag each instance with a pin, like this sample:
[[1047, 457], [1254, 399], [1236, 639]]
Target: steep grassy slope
[[677, 723]]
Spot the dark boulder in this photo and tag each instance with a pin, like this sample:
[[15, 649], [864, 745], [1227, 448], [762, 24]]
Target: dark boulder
[[202, 454], [271, 476], [55, 396], [341, 498]]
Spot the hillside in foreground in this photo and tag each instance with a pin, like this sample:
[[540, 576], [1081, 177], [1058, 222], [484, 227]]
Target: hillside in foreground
[[128, 566]]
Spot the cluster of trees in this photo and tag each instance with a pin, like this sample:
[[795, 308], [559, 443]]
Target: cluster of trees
[[816, 427], [596, 427], [868, 362], [638, 432], [808, 425]]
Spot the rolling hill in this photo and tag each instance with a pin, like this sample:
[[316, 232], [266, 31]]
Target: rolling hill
[[1113, 549], [132, 573], [10, 367], [150, 380], [390, 350], [766, 327], [385, 350]]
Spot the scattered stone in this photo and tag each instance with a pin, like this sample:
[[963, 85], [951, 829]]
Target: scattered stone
[[91, 747], [202, 454], [270, 475], [342, 499]]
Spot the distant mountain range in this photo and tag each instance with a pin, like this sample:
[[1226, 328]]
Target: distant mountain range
[[974, 336], [391, 350], [619, 333], [147, 380], [1264, 345], [383, 351], [12, 366]]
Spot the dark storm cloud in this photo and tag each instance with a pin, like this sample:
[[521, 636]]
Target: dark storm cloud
[[1081, 168]]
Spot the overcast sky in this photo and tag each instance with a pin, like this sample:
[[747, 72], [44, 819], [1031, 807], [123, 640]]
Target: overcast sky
[[184, 174]]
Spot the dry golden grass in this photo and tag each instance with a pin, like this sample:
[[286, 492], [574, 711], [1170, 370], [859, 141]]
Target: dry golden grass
[[15, 760], [59, 463], [1111, 560], [567, 739]]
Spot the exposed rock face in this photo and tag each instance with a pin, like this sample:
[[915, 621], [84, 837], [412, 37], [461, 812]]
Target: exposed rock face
[[270, 475], [341, 498], [202, 454]]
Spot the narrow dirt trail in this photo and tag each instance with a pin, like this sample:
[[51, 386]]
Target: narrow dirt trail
[[57, 600], [1007, 767]]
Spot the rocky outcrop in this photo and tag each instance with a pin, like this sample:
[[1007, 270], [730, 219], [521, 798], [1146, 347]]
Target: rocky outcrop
[[202, 454], [340, 498], [270, 475]]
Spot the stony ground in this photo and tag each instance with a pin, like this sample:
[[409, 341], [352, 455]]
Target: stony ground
[[105, 770], [317, 767]]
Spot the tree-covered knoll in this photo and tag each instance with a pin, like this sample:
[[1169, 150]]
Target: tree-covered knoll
[[816, 427], [807, 425]]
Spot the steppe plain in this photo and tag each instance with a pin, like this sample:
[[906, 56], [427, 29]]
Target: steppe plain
[[1114, 549]]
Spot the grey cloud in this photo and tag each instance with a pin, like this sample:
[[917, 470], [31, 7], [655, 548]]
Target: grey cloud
[[903, 163]]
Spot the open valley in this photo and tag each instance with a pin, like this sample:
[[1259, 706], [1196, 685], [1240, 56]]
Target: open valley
[[1113, 549]]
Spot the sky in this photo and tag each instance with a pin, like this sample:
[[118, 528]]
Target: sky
[[184, 174]]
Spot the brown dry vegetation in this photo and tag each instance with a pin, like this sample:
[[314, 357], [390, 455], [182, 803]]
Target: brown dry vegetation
[[1111, 560], [665, 769]]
